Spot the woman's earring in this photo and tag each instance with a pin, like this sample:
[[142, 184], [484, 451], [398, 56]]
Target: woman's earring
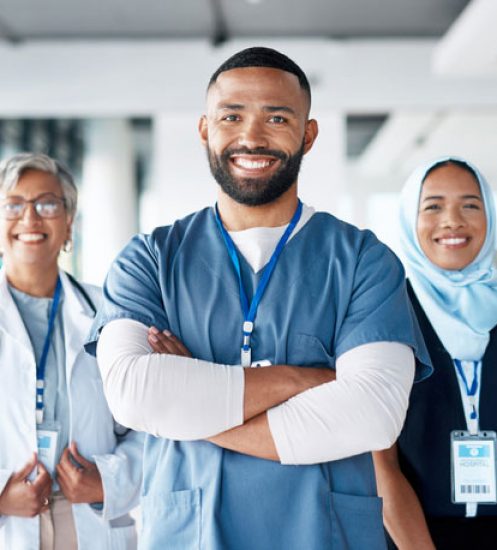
[[67, 246]]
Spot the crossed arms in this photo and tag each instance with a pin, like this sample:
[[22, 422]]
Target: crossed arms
[[290, 414]]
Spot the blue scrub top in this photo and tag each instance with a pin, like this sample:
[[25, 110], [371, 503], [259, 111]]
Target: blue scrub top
[[334, 288]]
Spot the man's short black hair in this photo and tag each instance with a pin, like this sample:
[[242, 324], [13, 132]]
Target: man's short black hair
[[263, 57]]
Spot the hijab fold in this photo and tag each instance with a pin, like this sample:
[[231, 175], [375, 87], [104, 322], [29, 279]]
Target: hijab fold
[[461, 305]]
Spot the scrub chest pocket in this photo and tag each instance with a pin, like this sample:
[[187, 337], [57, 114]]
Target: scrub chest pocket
[[306, 350]]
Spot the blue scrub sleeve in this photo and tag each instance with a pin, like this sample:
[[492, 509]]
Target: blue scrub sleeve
[[379, 309], [131, 290]]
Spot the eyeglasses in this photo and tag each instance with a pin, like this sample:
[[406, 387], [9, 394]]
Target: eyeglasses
[[47, 206]]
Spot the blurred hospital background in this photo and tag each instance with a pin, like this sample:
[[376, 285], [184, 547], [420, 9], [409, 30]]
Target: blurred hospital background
[[114, 88]]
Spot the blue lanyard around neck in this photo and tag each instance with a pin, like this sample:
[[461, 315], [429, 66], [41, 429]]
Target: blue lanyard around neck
[[470, 390], [250, 312], [40, 367]]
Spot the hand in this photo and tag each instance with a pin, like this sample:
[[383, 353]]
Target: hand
[[22, 497], [80, 484], [166, 342]]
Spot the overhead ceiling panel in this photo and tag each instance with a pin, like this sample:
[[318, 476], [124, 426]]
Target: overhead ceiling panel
[[32, 19], [171, 19], [339, 19]]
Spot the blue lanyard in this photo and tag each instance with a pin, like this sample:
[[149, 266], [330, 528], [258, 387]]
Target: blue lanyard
[[470, 391], [249, 312], [40, 367]]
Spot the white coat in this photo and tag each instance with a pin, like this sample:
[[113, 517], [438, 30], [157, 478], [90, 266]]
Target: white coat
[[91, 427]]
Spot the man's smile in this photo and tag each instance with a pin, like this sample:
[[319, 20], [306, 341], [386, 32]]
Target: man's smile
[[253, 164]]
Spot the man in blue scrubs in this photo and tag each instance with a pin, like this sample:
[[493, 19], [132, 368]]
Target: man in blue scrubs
[[284, 343]]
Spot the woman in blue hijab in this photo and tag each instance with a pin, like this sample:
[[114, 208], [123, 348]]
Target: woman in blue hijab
[[438, 482]]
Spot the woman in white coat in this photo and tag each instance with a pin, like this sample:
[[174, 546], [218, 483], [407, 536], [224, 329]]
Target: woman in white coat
[[69, 474]]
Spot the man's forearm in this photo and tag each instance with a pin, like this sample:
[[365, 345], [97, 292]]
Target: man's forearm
[[270, 386], [402, 512], [362, 411], [252, 438]]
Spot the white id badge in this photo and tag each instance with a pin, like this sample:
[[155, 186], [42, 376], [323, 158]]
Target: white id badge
[[261, 363], [47, 448], [473, 467]]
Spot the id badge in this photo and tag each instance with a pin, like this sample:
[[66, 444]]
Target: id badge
[[47, 437], [261, 363], [473, 467]]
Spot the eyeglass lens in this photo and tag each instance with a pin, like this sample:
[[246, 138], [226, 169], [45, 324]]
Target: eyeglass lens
[[46, 206]]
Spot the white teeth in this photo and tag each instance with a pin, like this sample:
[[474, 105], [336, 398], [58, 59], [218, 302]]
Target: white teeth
[[452, 241], [252, 164], [30, 237]]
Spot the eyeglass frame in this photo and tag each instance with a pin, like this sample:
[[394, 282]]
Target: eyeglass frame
[[25, 203]]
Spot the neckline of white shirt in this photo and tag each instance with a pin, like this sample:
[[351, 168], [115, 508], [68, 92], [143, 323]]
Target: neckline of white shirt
[[257, 244]]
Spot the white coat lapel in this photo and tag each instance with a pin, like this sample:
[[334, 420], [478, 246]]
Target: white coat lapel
[[10, 318], [77, 320]]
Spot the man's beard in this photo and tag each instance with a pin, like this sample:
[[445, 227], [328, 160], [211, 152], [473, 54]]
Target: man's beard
[[255, 191]]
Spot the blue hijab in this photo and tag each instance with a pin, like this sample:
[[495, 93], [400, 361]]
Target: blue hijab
[[461, 305]]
